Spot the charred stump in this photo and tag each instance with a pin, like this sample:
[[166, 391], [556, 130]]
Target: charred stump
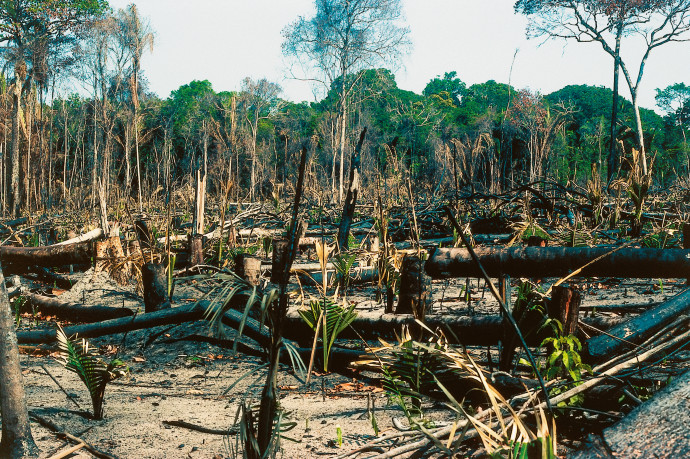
[[155, 280], [415, 288]]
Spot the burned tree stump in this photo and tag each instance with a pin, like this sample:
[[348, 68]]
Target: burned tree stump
[[155, 281], [248, 268], [415, 288], [196, 249], [109, 257], [565, 307], [278, 260]]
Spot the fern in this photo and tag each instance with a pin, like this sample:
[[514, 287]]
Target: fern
[[80, 358]]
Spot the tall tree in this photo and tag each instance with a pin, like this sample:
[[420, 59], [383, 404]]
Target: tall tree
[[27, 25], [135, 36], [342, 37], [607, 22], [258, 97]]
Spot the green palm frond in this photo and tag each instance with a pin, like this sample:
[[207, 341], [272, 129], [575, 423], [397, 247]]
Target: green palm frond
[[80, 358], [337, 319]]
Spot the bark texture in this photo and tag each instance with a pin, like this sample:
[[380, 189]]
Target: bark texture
[[16, 440], [560, 261]]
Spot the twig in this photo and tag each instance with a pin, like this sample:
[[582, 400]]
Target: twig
[[69, 396], [48, 424], [179, 423]]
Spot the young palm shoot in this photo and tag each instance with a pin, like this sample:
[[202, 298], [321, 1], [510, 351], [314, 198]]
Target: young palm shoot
[[80, 358]]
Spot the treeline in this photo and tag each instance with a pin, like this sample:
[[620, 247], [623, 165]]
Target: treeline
[[122, 141]]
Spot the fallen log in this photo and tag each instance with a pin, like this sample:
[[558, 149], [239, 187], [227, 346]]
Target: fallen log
[[560, 261], [636, 330], [89, 236], [109, 327], [48, 256], [73, 312], [470, 330]]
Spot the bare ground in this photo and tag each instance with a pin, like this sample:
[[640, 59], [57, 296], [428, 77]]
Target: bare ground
[[189, 381]]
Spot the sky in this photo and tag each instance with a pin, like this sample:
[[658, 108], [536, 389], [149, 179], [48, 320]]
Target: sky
[[224, 41]]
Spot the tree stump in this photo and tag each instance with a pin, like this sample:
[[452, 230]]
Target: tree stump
[[565, 307], [109, 257], [280, 253], [143, 233], [155, 281], [196, 249], [415, 288], [248, 268]]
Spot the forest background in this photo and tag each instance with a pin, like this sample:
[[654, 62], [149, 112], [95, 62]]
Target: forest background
[[112, 134]]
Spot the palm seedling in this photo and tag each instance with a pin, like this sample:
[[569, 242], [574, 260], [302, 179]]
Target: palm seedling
[[79, 357], [332, 318]]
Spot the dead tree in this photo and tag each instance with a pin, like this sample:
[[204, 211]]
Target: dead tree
[[351, 199]]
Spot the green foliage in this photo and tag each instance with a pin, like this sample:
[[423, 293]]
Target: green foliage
[[343, 264], [80, 358], [564, 360], [336, 318]]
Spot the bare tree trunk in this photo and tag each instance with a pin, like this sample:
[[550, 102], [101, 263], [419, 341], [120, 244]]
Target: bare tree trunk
[[16, 113], [351, 201], [17, 441], [614, 160]]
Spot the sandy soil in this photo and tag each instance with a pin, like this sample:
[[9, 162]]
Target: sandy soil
[[188, 381]]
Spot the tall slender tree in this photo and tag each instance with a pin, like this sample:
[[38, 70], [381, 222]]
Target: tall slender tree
[[27, 25], [343, 37], [607, 22]]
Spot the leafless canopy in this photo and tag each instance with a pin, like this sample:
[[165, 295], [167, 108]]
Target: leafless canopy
[[345, 36]]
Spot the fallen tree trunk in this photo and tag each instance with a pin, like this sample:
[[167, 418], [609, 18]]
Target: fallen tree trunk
[[560, 261], [636, 330], [49, 306], [470, 330], [90, 236], [48, 256]]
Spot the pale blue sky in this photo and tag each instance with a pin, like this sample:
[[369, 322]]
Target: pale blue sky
[[226, 40]]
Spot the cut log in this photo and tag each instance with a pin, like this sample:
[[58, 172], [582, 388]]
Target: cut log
[[73, 312], [109, 327], [560, 261], [636, 330], [48, 256], [155, 280], [472, 330]]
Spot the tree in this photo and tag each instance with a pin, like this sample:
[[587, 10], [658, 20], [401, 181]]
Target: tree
[[675, 101], [342, 37], [27, 26], [607, 22], [135, 36], [258, 97], [450, 87], [17, 441]]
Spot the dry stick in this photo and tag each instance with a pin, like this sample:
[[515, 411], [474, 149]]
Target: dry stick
[[69, 396], [646, 345], [504, 308], [201, 429], [68, 451], [62, 434]]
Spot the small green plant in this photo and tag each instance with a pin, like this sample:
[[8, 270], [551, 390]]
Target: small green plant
[[17, 305], [267, 245], [339, 436], [343, 264], [331, 319], [80, 358], [564, 360]]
